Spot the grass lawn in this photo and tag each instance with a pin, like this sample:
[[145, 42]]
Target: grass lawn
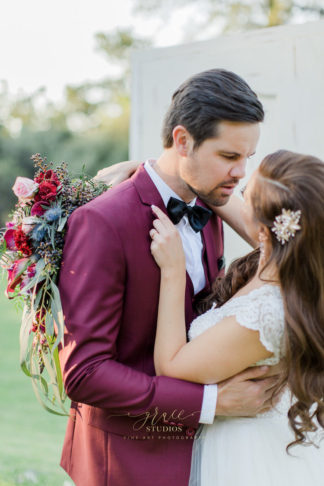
[[30, 438]]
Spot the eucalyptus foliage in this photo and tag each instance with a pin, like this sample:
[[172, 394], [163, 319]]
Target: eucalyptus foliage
[[31, 248]]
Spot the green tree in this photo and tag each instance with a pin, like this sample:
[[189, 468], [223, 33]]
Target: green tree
[[229, 15], [89, 127]]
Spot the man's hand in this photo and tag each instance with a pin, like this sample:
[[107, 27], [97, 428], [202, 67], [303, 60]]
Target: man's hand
[[117, 173], [249, 393]]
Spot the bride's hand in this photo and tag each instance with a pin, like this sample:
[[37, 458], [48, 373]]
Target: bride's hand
[[166, 246], [117, 173]]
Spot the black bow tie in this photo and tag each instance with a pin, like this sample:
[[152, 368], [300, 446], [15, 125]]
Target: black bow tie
[[198, 217]]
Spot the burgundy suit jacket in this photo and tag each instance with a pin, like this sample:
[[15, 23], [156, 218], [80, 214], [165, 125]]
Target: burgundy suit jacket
[[127, 426]]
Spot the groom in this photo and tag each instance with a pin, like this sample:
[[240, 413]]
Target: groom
[[128, 427]]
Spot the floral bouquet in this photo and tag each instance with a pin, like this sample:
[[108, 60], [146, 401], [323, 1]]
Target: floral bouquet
[[31, 248]]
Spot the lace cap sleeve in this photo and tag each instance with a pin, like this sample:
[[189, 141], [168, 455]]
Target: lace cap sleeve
[[262, 310]]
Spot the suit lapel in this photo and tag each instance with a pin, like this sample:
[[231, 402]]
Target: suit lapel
[[149, 195], [210, 250], [211, 234], [146, 189]]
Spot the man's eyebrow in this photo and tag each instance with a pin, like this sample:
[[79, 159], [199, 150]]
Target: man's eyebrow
[[229, 152]]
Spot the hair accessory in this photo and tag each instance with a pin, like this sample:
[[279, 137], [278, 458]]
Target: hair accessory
[[286, 225]]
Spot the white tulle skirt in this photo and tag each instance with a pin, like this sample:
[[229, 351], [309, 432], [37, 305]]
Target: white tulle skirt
[[252, 452]]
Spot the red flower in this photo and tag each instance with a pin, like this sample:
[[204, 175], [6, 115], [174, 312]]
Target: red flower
[[31, 270], [190, 432], [38, 209], [48, 176], [39, 322], [15, 275], [46, 192], [22, 242], [9, 237]]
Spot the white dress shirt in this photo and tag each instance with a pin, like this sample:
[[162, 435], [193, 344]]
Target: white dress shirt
[[193, 247]]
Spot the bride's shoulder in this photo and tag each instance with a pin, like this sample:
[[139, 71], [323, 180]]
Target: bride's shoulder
[[260, 308], [258, 304]]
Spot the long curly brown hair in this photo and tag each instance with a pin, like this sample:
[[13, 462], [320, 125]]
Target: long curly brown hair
[[292, 181]]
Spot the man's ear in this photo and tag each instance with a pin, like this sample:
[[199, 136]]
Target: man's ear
[[182, 140]]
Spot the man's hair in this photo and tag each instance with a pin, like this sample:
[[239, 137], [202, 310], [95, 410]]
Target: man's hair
[[206, 99]]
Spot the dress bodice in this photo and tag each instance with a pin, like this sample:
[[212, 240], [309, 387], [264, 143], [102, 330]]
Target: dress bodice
[[262, 310]]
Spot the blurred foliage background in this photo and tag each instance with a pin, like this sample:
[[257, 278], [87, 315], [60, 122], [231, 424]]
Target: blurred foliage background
[[91, 123]]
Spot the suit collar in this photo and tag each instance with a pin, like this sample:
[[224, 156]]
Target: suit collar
[[146, 189], [165, 191]]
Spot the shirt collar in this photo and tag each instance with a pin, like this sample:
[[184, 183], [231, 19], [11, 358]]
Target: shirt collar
[[165, 191]]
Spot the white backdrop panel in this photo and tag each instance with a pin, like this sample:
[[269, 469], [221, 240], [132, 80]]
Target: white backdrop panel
[[283, 65]]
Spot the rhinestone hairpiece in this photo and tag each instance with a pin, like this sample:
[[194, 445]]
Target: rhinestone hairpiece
[[286, 225]]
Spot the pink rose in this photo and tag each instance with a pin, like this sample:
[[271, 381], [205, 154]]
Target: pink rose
[[25, 188]]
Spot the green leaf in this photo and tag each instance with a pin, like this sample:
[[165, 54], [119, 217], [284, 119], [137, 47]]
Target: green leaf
[[49, 324], [58, 372], [40, 265], [31, 284], [52, 235], [35, 380], [24, 336], [54, 382], [58, 315], [62, 223]]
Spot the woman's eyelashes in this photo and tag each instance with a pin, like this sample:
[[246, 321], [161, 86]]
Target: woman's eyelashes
[[242, 191]]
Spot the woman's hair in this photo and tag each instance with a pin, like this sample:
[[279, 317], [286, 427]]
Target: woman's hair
[[292, 181]]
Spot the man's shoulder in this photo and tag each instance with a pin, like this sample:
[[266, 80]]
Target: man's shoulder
[[116, 197], [114, 201]]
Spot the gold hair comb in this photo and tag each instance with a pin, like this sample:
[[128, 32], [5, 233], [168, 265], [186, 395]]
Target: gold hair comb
[[286, 225]]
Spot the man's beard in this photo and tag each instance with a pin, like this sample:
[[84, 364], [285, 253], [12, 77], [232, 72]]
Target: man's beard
[[210, 198]]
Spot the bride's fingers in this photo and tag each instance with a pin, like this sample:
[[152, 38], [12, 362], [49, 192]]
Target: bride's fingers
[[162, 216], [158, 225], [153, 233]]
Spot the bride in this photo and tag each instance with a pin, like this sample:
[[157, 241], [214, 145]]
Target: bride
[[270, 305]]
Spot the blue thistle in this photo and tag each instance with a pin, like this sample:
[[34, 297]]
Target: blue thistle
[[53, 214], [39, 232]]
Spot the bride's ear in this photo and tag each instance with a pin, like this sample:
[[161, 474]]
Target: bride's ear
[[263, 234]]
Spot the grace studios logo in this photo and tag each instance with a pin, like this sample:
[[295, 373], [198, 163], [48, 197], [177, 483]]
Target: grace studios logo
[[161, 423]]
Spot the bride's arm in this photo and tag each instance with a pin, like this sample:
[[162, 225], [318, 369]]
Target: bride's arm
[[117, 173], [217, 354], [231, 214]]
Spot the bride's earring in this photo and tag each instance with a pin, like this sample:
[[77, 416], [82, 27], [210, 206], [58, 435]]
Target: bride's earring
[[262, 239]]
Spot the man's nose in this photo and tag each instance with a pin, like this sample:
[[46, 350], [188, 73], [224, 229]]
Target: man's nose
[[238, 170]]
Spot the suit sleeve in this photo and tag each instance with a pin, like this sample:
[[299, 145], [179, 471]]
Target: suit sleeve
[[92, 285]]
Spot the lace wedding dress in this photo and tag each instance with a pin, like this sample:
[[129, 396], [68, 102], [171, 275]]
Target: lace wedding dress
[[236, 451]]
